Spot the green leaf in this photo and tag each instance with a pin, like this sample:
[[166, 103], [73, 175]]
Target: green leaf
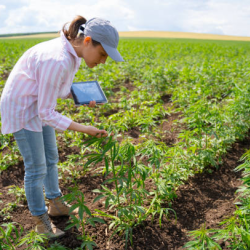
[[99, 220], [91, 221], [98, 198], [73, 207], [81, 211], [86, 209], [106, 165]]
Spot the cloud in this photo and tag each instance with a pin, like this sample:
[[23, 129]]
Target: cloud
[[220, 17], [46, 15], [2, 7], [228, 17]]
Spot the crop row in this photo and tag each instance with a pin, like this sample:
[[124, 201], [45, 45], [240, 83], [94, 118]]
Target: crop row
[[234, 231]]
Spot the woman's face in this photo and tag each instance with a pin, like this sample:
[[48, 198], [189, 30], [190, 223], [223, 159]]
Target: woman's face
[[92, 55]]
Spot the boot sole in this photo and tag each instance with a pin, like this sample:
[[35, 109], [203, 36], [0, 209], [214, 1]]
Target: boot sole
[[63, 215], [54, 216], [56, 237]]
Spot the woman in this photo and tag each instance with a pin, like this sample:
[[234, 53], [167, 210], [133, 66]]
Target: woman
[[44, 73]]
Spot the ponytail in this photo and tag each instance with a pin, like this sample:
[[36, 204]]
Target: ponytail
[[72, 32]]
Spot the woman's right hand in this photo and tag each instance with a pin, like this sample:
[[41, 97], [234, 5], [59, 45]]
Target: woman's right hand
[[90, 130]]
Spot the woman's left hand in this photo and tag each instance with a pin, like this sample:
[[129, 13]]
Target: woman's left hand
[[91, 104]]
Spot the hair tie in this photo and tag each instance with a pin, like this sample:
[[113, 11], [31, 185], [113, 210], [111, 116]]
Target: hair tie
[[81, 29]]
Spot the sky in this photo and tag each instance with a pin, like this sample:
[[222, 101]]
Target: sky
[[223, 17]]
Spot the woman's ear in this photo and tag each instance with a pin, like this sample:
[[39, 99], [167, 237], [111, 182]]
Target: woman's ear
[[87, 40]]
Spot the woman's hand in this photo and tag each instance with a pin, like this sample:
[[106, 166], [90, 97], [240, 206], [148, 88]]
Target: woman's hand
[[90, 130], [91, 104]]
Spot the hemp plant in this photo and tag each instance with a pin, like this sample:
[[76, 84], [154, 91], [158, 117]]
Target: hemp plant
[[125, 172], [19, 194], [107, 151], [83, 217], [202, 240], [34, 241], [9, 236], [124, 222]]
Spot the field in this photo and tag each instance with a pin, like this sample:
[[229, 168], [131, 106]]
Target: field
[[179, 110], [149, 34]]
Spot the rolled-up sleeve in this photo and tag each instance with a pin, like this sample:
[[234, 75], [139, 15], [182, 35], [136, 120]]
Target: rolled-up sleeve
[[49, 76]]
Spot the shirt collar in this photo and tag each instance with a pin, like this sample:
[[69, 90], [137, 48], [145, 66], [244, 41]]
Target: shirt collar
[[68, 45]]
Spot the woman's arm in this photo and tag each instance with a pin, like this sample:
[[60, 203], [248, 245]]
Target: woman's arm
[[90, 130]]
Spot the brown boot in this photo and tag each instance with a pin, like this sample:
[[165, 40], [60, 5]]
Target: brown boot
[[57, 207], [45, 226]]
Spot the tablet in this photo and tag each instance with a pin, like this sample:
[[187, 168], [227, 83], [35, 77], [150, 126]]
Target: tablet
[[84, 92]]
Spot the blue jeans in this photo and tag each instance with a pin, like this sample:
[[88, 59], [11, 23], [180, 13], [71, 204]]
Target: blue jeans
[[40, 156]]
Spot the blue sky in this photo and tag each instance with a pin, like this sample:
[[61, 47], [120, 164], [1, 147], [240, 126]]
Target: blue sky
[[225, 17]]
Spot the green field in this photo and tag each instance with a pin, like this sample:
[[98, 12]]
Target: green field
[[175, 106]]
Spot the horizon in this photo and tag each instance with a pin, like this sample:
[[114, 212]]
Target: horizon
[[48, 32]]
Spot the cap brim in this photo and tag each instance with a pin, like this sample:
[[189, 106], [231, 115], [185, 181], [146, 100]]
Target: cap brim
[[113, 53]]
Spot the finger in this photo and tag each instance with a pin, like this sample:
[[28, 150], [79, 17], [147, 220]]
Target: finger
[[103, 134], [91, 104], [103, 131]]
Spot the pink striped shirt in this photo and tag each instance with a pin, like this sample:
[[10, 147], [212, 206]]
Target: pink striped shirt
[[43, 74]]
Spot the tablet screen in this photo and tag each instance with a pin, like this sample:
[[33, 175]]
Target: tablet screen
[[84, 92]]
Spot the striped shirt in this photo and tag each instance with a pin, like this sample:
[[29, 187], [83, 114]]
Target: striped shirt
[[43, 74]]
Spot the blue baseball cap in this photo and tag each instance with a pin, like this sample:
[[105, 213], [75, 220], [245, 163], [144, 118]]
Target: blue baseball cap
[[104, 32]]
